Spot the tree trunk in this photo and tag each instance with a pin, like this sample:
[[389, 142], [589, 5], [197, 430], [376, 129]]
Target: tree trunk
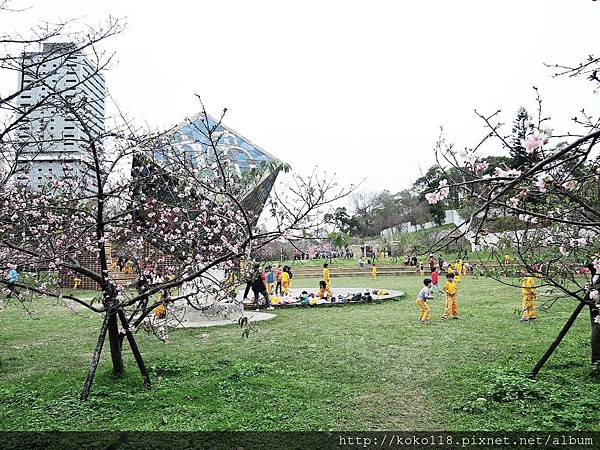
[[557, 341], [595, 335], [114, 340]]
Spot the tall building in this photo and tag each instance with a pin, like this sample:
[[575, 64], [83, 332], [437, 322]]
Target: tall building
[[62, 102]]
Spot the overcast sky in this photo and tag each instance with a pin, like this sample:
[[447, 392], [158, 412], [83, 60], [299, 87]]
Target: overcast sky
[[357, 88]]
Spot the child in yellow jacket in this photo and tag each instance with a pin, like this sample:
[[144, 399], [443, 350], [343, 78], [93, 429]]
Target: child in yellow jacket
[[529, 295], [285, 282], [424, 295], [451, 291], [374, 272], [327, 276], [324, 291]]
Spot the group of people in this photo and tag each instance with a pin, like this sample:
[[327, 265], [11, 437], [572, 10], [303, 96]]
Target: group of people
[[450, 290], [324, 254], [122, 264], [271, 280], [277, 281]]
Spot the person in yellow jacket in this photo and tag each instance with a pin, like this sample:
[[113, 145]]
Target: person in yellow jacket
[[529, 295], [457, 271], [451, 291], [285, 281], [424, 295], [374, 272], [324, 291], [327, 276], [128, 267]]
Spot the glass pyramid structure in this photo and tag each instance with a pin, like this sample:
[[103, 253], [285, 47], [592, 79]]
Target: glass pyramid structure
[[191, 139], [190, 142]]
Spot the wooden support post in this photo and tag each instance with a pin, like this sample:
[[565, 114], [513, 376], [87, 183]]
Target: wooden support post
[[135, 350], [95, 359], [557, 341]]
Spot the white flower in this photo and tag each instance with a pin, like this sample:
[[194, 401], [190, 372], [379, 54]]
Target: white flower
[[469, 157], [481, 167], [510, 173], [441, 193], [513, 202], [580, 242], [570, 185], [534, 141], [528, 218], [563, 250], [594, 295], [432, 198]]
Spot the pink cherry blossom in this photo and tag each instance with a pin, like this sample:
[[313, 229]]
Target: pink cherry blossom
[[534, 141], [579, 242], [441, 193], [513, 202], [481, 166]]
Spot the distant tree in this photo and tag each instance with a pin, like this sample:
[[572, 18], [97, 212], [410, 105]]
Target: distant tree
[[386, 212], [412, 208], [339, 240], [519, 132], [363, 203], [342, 221]]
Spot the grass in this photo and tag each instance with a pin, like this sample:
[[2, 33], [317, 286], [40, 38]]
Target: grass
[[358, 367]]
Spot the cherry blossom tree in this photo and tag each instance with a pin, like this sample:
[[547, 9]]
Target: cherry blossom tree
[[193, 220], [554, 193], [191, 215]]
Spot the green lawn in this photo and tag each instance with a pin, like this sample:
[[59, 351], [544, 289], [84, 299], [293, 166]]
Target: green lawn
[[357, 367]]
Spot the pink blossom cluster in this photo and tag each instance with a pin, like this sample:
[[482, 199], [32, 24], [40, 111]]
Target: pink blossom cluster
[[441, 193], [534, 141], [578, 242]]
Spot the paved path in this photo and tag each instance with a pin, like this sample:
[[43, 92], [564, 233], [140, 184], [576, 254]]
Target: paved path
[[295, 292], [252, 316]]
